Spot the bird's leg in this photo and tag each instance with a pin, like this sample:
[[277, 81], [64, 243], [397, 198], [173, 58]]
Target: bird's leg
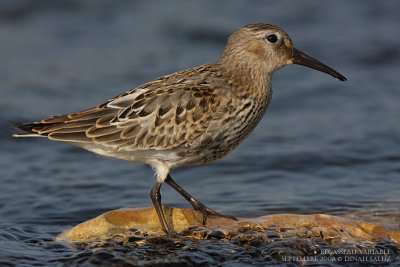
[[197, 205], [156, 198]]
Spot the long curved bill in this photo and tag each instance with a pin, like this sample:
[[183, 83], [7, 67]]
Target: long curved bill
[[303, 59]]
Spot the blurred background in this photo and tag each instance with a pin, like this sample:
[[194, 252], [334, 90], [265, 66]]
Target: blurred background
[[324, 146]]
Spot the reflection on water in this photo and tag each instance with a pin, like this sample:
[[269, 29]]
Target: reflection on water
[[324, 146]]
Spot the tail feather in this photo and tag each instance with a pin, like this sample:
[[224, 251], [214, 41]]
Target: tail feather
[[61, 131], [27, 127], [68, 128], [36, 128], [30, 129], [22, 135]]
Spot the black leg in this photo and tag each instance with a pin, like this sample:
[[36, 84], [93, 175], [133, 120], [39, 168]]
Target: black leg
[[197, 205], [156, 198]]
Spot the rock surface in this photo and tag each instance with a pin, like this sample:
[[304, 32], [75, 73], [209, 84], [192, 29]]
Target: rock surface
[[127, 223]]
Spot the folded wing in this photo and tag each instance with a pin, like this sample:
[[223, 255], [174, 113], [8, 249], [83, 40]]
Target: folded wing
[[158, 115]]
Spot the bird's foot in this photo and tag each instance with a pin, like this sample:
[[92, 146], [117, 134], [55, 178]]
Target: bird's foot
[[207, 212]]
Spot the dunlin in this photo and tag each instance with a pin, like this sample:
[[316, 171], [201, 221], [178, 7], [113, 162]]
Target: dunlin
[[190, 117]]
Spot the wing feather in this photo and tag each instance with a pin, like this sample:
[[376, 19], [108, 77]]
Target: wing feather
[[176, 111], [79, 137]]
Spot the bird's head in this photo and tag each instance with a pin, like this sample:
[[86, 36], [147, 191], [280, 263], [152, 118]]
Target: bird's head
[[267, 48]]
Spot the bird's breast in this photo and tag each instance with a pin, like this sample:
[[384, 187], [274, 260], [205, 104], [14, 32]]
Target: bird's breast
[[236, 123]]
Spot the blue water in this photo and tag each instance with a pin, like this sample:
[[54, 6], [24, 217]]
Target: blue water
[[324, 146]]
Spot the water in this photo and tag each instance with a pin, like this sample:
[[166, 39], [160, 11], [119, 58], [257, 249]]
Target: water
[[324, 146]]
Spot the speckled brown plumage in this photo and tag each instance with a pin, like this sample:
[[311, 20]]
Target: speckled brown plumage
[[182, 111], [190, 117]]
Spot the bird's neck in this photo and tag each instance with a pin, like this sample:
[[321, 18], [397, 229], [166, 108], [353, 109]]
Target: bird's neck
[[248, 75]]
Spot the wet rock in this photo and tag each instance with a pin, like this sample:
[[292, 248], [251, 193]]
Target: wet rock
[[136, 224]]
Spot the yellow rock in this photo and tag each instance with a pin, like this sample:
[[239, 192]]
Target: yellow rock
[[124, 223]]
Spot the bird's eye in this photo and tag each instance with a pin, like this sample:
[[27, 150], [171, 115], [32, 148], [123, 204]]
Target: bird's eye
[[272, 38]]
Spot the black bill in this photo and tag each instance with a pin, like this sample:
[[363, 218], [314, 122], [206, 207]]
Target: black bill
[[302, 59]]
